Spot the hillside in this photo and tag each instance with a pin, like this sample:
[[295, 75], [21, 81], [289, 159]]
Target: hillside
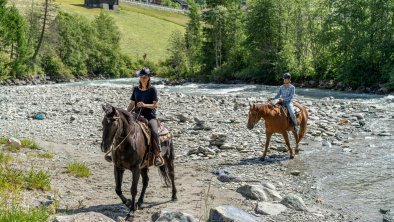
[[144, 30]]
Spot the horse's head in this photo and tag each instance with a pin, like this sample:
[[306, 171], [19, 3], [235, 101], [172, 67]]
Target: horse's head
[[110, 126], [254, 115]]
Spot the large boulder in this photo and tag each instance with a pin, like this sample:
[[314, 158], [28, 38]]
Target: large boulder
[[294, 202], [267, 208], [172, 216], [258, 192], [227, 213], [89, 216]]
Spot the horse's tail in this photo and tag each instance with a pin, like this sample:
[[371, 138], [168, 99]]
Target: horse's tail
[[304, 121], [169, 164]]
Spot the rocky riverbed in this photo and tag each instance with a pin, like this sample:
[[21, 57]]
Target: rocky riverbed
[[217, 156]]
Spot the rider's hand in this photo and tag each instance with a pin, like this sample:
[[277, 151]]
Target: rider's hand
[[140, 104]]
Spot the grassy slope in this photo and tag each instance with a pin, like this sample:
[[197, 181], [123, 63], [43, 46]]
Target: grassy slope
[[143, 30]]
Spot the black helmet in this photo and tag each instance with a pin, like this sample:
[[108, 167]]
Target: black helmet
[[144, 71], [286, 76]]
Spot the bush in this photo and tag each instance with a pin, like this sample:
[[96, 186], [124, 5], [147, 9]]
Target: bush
[[16, 214], [78, 169], [26, 143], [37, 180], [46, 155], [54, 67]]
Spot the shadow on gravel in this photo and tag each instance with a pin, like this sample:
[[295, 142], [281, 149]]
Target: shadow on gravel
[[271, 159], [112, 211]]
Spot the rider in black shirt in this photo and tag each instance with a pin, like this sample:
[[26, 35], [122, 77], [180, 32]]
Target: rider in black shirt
[[144, 101]]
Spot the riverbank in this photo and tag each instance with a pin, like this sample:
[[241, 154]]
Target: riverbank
[[71, 130], [380, 89]]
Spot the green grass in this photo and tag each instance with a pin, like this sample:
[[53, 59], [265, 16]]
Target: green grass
[[46, 155], [4, 159], [31, 144], [78, 169], [19, 215], [37, 180], [143, 30], [3, 140]]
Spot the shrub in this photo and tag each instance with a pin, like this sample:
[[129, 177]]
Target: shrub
[[37, 180], [27, 143], [78, 169]]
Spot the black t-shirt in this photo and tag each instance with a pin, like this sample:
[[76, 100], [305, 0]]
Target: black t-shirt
[[147, 97]]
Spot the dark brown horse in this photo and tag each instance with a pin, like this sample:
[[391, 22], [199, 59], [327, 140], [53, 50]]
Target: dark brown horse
[[276, 121], [124, 136]]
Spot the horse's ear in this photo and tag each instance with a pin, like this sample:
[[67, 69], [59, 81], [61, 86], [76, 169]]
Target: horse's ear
[[104, 107], [114, 112], [254, 106], [250, 104]]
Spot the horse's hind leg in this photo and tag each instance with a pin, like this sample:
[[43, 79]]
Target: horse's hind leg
[[267, 143], [145, 181], [171, 171], [297, 149], [286, 136], [118, 172]]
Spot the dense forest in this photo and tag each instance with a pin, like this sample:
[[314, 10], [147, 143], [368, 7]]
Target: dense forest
[[335, 43], [338, 43]]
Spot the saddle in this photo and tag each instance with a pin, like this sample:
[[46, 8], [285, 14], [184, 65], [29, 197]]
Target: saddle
[[164, 134], [284, 111]]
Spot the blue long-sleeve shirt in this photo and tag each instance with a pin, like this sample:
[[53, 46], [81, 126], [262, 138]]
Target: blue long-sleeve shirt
[[287, 93]]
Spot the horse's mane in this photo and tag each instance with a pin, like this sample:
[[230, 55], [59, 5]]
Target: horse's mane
[[126, 114]]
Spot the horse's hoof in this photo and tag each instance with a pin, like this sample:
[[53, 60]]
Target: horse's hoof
[[174, 198], [129, 216], [297, 151], [262, 158], [139, 204], [128, 204], [291, 157]]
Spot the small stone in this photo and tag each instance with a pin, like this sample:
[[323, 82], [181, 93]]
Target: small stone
[[295, 173], [267, 208], [347, 150], [326, 143], [295, 202], [172, 216], [72, 118]]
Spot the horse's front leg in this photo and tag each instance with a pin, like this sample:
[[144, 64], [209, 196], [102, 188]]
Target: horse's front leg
[[133, 190], [286, 136], [118, 172], [145, 181], [267, 143]]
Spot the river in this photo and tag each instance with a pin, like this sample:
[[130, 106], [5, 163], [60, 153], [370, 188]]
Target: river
[[360, 181]]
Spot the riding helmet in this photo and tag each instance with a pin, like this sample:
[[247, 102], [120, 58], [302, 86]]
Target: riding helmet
[[286, 76], [144, 71]]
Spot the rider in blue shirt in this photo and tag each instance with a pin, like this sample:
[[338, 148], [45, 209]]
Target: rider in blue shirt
[[286, 93]]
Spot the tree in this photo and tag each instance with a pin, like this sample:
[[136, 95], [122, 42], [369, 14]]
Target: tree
[[193, 39], [176, 60]]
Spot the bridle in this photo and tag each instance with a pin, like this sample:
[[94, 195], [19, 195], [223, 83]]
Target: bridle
[[116, 135]]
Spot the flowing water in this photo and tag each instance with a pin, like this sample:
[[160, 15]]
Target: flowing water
[[361, 181]]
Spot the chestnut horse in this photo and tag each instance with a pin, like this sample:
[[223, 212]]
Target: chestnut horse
[[276, 121], [124, 137]]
